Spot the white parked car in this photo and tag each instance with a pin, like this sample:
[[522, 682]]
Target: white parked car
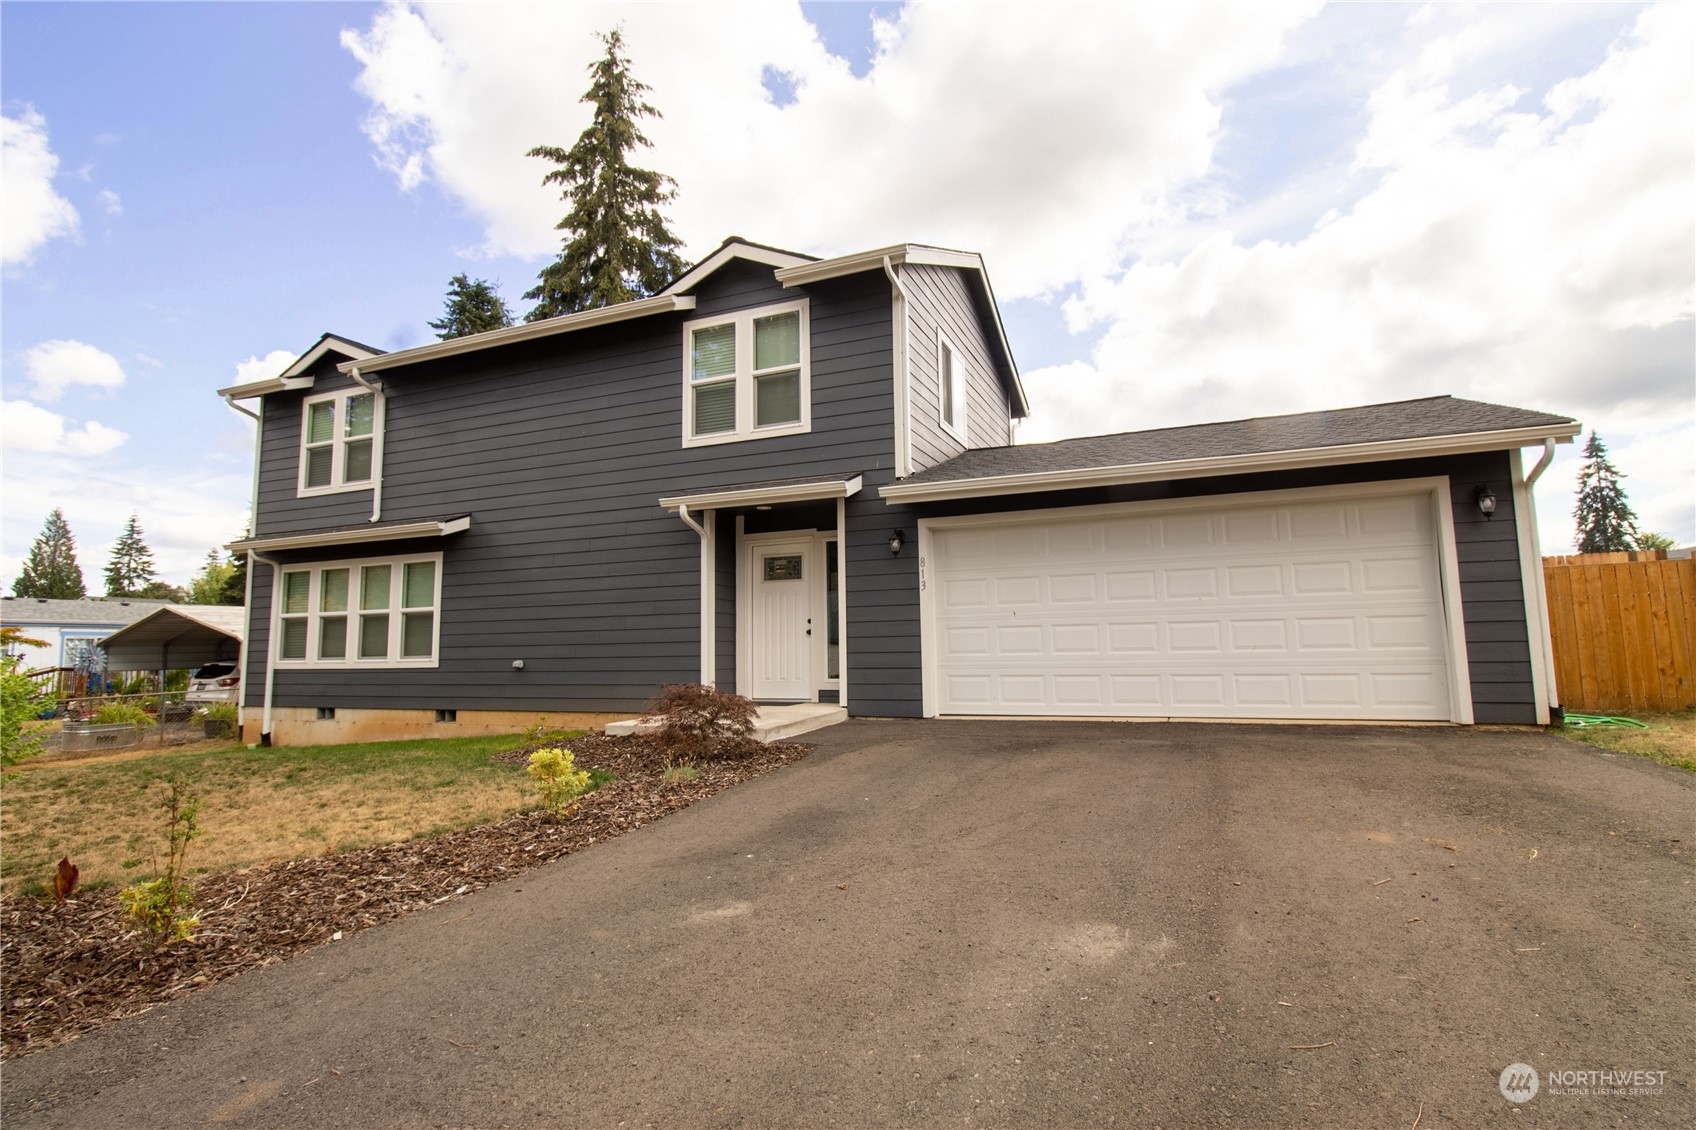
[[215, 682]]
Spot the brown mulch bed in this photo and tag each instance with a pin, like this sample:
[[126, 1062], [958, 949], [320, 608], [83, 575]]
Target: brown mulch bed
[[68, 970]]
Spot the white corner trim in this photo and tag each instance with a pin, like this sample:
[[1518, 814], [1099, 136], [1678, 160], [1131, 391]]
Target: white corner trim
[[765, 496], [359, 536], [1224, 465], [1531, 586], [528, 331]]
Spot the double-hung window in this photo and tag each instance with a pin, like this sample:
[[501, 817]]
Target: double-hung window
[[377, 613], [746, 375], [339, 435], [951, 388]]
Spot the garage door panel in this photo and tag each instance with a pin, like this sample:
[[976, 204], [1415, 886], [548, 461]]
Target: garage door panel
[[1332, 609]]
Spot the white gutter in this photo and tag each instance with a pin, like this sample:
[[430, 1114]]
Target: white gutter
[[1221, 465], [270, 640], [529, 331], [765, 496], [903, 393], [377, 418], [709, 578], [1539, 580], [356, 536]]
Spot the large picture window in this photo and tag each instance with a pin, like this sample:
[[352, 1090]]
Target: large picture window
[[378, 613], [746, 375], [339, 437]]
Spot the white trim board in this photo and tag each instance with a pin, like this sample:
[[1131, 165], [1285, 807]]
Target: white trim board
[[1437, 488], [356, 536], [1250, 463], [765, 496]]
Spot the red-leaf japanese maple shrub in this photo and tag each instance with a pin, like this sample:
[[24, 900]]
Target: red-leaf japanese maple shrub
[[699, 721]]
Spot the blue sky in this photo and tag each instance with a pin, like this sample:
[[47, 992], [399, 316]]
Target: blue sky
[[1187, 217]]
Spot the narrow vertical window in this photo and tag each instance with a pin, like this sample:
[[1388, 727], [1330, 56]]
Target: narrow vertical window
[[418, 615], [714, 376], [374, 612], [777, 369], [332, 607], [297, 604], [951, 389]]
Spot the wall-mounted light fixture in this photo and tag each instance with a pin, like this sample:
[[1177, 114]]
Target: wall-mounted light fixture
[[518, 664], [896, 540], [1486, 501]]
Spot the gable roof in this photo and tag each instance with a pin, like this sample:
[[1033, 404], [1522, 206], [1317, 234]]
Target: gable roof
[[736, 248], [299, 373], [1436, 425]]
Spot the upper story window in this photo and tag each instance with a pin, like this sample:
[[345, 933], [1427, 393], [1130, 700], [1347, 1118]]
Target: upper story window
[[951, 390], [375, 613], [339, 437], [746, 375]]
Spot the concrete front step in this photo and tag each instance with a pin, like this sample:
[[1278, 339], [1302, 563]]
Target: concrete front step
[[772, 724]]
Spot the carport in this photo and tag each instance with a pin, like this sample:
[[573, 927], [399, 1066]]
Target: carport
[[177, 637]]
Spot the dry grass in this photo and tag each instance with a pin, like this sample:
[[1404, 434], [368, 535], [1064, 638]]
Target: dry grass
[[257, 806], [1670, 738]]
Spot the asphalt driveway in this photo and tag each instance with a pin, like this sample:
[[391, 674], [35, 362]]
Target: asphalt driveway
[[1006, 925]]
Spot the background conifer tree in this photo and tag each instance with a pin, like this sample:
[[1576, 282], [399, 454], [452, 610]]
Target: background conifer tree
[[130, 570], [51, 570], [1605, 521], [473, 306], [617, 245]]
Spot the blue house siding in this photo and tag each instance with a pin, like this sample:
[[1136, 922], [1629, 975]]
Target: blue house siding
[[560, 449]]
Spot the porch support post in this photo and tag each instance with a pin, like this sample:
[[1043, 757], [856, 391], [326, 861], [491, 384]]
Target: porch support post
[[841, 603], [709, 634]]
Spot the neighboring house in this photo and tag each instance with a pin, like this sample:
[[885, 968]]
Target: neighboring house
[[793, 478], [69, 628]]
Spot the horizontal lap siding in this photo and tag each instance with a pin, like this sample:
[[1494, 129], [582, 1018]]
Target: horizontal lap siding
[[560, 450], [1486, 552], [940, 298]]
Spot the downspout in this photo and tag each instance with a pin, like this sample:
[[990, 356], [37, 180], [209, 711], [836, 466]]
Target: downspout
[[1539, 580], [903, 431], [253, 520], [709, 637], [382, 406], [270, 639]]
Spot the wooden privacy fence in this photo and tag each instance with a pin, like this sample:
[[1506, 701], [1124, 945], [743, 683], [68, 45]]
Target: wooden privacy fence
[[1624, 634]]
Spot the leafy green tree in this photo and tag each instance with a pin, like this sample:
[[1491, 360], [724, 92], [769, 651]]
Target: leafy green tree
[[1606, 523], [22, 701], [235, 588], [131, 568], [51, 569], [473, 307], [617, 245], [1652, 540], [207, 586], [163, 590]]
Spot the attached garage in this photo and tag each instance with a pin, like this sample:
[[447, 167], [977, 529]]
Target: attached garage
[[1326, 604]]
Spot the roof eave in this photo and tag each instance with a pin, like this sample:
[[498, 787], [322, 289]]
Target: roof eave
[[1246, 464], [529, 331], [358, 536], [265, 388]]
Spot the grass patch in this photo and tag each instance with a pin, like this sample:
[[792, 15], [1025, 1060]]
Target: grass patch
[[1670, 738], [257, 805]]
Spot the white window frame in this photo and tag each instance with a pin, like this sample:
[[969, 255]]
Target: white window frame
[[745, 427], [314, 615], [339, 443], [952, 373]]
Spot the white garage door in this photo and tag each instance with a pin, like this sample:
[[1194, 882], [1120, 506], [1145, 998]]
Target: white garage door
[[1312, 609]]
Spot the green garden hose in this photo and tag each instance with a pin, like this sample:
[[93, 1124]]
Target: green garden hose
[[1579, 721]]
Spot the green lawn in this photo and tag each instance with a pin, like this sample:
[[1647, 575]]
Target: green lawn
[[257, 805]]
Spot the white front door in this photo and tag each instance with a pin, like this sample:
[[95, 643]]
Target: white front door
[[780, 625]]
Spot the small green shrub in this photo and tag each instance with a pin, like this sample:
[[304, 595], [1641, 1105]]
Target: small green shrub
[[694, 718], [683, 772], [219, 719], [22, 699], [558, 780], [542, 734], [113, 713], [160, 905]]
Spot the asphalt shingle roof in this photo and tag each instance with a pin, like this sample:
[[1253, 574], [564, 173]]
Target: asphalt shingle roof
[[115, 610], [1373, 423]]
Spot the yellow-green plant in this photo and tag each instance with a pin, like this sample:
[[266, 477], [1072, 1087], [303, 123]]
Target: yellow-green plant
[[558, 780], [114, 712], [160, 905]]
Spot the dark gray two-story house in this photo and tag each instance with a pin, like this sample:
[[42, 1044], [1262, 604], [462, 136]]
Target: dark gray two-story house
[[795, 478]]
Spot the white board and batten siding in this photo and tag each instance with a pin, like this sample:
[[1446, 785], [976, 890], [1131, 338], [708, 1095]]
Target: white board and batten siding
[[1290, 605]]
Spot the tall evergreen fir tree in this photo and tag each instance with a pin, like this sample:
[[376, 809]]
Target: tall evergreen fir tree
[[131, 568], [51, 570], [473, 306], [1605, 521], [617, 245]]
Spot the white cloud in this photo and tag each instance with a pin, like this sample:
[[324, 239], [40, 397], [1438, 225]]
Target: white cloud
[[34, 212], [55, 366], [111, 202], [1045, 143], [1538, 255], [34, 429], [264, 368]]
